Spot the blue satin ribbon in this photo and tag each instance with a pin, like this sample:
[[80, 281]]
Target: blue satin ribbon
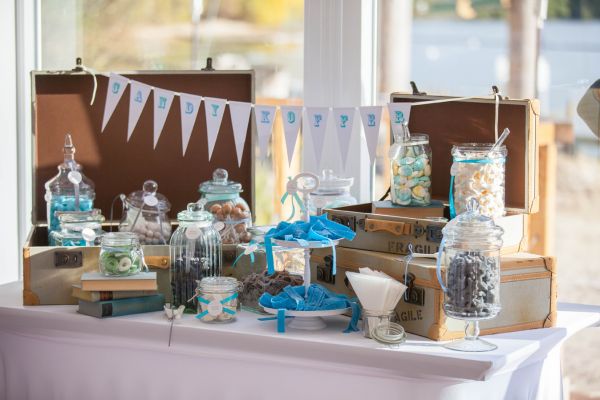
[[238, 258], [295, 199], [228, 310]]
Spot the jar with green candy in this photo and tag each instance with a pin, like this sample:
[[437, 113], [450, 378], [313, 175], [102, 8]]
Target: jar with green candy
[[121, 254]]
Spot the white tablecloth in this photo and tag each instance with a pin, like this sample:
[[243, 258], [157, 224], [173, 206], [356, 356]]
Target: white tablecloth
[[52, 352]]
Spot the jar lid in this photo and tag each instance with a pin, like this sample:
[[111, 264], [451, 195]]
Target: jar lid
[[475, 151], [78, 220], [218, 284], [412, 140], [220, 184], [120, 239], [473, 225], [148, 198], [195, 213], [329, 182]]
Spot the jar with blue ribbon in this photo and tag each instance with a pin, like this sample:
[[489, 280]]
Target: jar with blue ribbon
[[217, 299]]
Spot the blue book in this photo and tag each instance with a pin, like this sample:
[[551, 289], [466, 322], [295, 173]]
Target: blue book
[[116, 308]]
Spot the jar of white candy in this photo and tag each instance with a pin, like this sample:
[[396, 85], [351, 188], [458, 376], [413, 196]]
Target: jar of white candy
[[478, 173], [410, 158], [145, 213], [217, 299]]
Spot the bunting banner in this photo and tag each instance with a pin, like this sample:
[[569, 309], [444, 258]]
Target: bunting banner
[[399, 112], [344, 121], [264, 116], [138, 96], [291, 117], [371, 118], [214, 109], [116, 88], [240, 115], [189, 106], [162, 104], [317, 122]]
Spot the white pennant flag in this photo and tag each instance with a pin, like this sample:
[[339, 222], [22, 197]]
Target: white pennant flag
[[240, 114], [137, 99], [189, 106], [317, 121], [264, 115], [371, 118], [291, 116], [399, 112], [162, 104], [214, 109], [116, 88], [344, 120]]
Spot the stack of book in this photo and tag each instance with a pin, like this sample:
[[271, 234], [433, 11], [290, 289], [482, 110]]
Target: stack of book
[[101, 296]]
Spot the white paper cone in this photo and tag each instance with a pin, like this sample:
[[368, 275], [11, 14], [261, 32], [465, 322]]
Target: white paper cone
[[317, 122], [189, 106], [214, 109], [116, 88], [398, 113], [344, 121], [162, 104], [240, 114], [369, 289], [138, 95], [291, 117], [264, 116], [371, 118]]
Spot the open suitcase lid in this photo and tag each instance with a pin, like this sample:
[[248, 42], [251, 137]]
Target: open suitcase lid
[[61, 104], [472, 121]]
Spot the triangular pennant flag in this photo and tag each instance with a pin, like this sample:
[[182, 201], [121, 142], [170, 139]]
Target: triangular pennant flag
[[291, 116], [240, 114], [214, 109], [399, 112], [264, 116], [317, 121], [189, 106], [344, 120], [116, 88], [162, 104], [138, 95], [371, 118]]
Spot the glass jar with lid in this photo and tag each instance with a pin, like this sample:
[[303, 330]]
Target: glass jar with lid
[[69, 190], [478, 173], [222, 198], [121, 254], [196, 253], [333, 192], [145, 213], [470, 252], [217, 299], [79, 228], [410, 159]]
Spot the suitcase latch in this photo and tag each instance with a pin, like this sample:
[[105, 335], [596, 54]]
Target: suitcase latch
[[413, 295], [434, 233], [325, 271], [350, 222], [68, 259]]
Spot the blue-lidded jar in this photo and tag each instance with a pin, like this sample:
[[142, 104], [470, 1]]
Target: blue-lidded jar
[[69, 190]]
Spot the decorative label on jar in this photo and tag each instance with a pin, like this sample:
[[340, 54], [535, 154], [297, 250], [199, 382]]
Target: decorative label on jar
[[215, 308], [219, 226], [74, 177], [192, 233], [150, 200]]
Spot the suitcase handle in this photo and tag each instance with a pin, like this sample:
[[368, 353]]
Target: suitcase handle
[[397, 228], [162, 262]]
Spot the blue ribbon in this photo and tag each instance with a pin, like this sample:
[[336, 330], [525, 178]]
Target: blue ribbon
[[228, 310], [295, 199], [238, 258]]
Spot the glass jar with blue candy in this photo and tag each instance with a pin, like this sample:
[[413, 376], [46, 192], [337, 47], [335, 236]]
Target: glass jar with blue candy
[[79, 228], [69, 190]]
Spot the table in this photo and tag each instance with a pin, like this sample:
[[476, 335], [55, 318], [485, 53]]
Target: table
[[52, 352]]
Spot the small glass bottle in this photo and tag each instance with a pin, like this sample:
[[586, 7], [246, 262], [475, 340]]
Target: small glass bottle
[[196, 253], [222, 199], [69, 190], [217, 299], [145, 212], [410, 159], [332, 192], [471, 255], [79, 228], [478, 173], [121, 254]]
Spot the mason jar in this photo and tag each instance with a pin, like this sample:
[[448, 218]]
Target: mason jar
[[121, 254], [79, 228], [217, 299]]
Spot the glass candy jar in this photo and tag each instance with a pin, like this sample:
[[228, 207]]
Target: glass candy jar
[[196, 252], [217, 299], [471, 254], [121, 254], [410, 158], [69, 190], [332, 192], [79, 228], [145, 213], [222, 198], [478, 173]]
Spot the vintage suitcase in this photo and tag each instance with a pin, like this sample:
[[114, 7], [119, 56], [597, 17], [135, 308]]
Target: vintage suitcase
[[61, 104], [450, 123], [527, 291]]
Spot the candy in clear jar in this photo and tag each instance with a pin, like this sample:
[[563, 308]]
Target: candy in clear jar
[[121, 254], [217, 299], [79, 228]]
